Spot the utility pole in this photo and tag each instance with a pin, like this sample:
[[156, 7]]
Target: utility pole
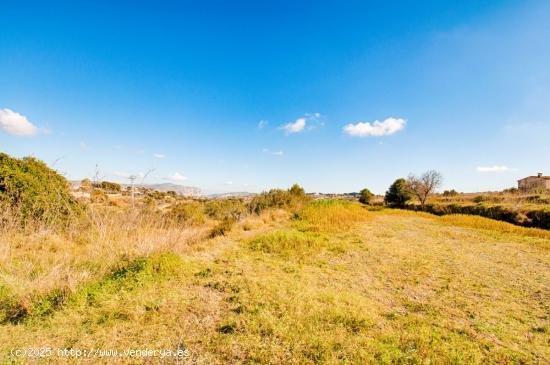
[[132, 179]]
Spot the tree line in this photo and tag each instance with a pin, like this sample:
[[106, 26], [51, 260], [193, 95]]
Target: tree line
[[401, 191]]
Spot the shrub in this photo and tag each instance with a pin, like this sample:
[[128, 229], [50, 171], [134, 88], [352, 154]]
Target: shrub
[[297, 190], [108, 186], [32, 191], [452, 192], [365, 196], [98, 196], [222, 228], [85, 185], [398, 194], [187, 212], [480, 199], [294, 198], [222, 209]]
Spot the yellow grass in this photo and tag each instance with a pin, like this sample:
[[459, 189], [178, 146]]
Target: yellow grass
[[337, 284], [331, 216], [33, 265], [474, 221]]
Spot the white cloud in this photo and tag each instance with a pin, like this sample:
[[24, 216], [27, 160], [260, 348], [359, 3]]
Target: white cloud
[[494, 168], [375, 129], [159, 155], [262, 124], [295, 127], [308, 122], [274, 153], [177, 177], [229, 182], [14, 123]]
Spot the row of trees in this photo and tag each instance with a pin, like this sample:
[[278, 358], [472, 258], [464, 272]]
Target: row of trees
[[403, 190]]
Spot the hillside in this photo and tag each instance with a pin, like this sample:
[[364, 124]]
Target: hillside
[[179, 189], [335, 284]]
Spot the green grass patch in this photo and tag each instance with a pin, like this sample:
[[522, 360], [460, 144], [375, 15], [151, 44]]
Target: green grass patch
[[127, 276], [288, 243]]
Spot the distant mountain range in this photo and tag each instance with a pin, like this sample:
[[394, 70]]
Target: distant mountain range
[[179, 189], [237, 194]]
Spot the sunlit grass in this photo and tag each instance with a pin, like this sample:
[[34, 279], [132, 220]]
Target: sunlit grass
[[474, 221], [288, 243], [46, 264], [336, 284], [330, 216]]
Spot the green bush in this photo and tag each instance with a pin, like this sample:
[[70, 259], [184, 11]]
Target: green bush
[[297, 190], [225, 209], [98, 196], [398, 194], [187, 212], [85, 185], [512, 190], [365, 196], [480, 199], [108, 186], [33, 192], [452, 192], [222, 228], [293, 198]]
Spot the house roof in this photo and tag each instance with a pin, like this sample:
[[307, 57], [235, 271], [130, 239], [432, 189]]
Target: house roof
[[536, 177]]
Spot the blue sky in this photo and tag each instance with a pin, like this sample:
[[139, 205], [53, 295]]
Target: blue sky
[[244, 96]]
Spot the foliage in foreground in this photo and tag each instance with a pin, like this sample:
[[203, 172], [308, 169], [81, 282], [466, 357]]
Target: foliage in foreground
[[30, 191], [336, 284]]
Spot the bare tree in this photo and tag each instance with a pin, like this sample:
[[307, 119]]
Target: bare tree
[[424, 185]]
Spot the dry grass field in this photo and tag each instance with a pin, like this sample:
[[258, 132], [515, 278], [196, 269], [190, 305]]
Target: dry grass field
[[333, 283]]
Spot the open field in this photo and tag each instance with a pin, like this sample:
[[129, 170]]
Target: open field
[[331, 283]]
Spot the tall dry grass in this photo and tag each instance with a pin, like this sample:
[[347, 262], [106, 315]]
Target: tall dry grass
[[330, 216], [33, 264]]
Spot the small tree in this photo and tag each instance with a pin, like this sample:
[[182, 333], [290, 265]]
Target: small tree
[[452, 192], [297, 190], [397, 195], [108, 186], [365, 196], [424, 185], [86, 184]]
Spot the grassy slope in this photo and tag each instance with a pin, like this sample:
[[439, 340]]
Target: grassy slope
[[395, 286]]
